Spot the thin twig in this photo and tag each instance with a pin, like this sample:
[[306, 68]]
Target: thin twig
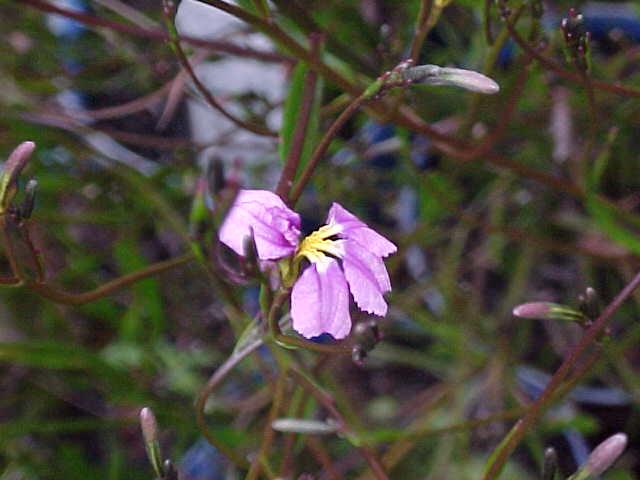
[[322, 147], [422, 29], [327, 402], [269, 433], [566, 74], [216, 378], [174, 40], [110, 287], [158, 34], [300, 132]]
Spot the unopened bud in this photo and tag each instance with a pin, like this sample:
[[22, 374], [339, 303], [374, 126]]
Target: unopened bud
[[151, 443], [170, 472], [366, 336], [605, 455], [11, 170], [590, 303], [550, 465], [548, 310], [250, 259], [26, 209], [457, 77]]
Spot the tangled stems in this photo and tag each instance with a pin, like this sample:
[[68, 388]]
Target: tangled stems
[[174, 40], [566, 74], [157, 34], [501, 454]]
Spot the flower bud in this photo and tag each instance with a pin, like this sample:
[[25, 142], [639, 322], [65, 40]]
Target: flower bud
[[590, 303], [11, 170], [550, 465], [170, 472], [548, 311], [366, 336], [457, 77], [26, 209], [151, 443], [605, 455]]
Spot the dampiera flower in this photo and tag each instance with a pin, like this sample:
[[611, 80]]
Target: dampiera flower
[[320, 297], [345, 255]]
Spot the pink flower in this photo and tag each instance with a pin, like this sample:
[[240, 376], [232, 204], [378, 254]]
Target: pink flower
[[345, 256], [276, 228], [320, 297]]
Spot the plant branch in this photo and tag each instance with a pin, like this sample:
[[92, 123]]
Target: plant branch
[[566, 74], [422, 29], [216, 378], [174, 40], [327, 402], [322, 147], [110, 287], [300, 132], [158, 34], [269, 433]]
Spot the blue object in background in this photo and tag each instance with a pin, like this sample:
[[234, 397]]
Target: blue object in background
[[373, 133], [202, 462], [601, 19], [65, 27]]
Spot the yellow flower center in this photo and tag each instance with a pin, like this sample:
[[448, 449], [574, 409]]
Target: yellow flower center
[[315, 246]]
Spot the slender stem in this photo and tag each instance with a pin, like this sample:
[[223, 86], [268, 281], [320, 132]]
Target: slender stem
[[506, 113], [422, 29], [286, 465], [322, 147], [110, 287], [403, 116], [318, 450], [568, 75], [174, 40], [269, 433], [327, 402], [300, 132], [157, 34], [488, 35], [218, 376], [500, 456]]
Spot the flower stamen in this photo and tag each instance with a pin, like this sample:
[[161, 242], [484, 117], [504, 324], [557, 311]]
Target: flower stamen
[[318, 244]]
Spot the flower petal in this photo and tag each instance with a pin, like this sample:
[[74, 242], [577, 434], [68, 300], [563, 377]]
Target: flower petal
[[367, 277], [320, 301], [355, 229], [275, 226]]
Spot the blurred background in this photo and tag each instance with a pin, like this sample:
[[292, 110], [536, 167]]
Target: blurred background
[[494, 201]]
